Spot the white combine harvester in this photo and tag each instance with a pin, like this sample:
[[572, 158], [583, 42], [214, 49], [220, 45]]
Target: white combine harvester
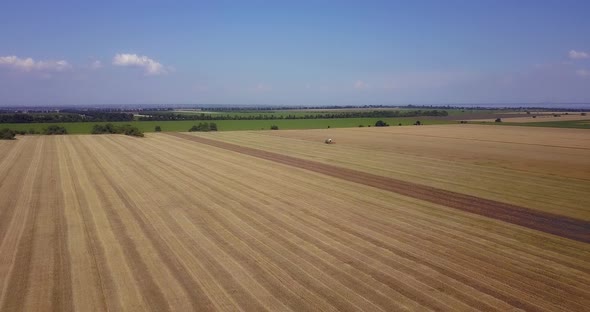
[[328, 141]]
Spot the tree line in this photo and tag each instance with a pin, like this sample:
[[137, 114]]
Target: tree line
[[90, 116], [203, 127], [8, 134], [167, 116], [112, 129]]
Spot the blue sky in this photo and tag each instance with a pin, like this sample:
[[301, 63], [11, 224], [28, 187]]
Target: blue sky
[[293, 52]]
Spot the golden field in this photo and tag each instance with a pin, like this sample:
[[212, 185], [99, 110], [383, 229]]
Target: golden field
[[542, 117], [94, 223]]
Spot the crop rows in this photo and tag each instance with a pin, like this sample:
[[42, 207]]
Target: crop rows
[[165, 223]]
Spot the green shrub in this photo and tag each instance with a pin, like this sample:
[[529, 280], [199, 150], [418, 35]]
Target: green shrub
[[202, 127], [98, 129], [158, 129], [274, 127], [55, 130], [111, 129], [7, 134], [129, 130], [381, 123]]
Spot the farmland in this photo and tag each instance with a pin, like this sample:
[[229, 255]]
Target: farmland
[[542, 118], [227, 125], [575, 124], [576, 120], [381, 220]]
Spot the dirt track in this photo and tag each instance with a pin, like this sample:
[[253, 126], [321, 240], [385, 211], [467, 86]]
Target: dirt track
[[537, 220]]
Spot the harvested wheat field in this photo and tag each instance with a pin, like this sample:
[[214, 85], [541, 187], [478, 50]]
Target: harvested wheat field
[[459, 217], [540, 118]]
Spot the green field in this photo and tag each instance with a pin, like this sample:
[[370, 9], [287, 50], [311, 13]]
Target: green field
[[230, 125]]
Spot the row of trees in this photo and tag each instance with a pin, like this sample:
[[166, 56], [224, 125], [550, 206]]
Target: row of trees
[[164, 116], [7, 134], [112, 129], [65, 117], [203, 127], [55, 129]]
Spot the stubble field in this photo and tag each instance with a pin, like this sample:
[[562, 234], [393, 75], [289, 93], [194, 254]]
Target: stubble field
[[385, 219]]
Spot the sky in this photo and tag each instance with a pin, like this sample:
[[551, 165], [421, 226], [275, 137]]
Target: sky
[[303, 53]]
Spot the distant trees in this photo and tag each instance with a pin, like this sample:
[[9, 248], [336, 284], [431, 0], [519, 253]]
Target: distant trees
[[271, 115], [381, 123], [203, 127], [274, 127], [71, 116], [130, 130], [112, 129], [158, 129], [55, 130], [100, 129], [7, 134]]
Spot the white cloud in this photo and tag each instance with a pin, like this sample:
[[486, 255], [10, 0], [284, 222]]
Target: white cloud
[[583, 73], [360, 85], [96, 64], [578, 55], [150, 66], [29, 64]]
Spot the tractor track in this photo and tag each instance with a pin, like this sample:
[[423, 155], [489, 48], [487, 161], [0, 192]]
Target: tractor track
[[571, 228]]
